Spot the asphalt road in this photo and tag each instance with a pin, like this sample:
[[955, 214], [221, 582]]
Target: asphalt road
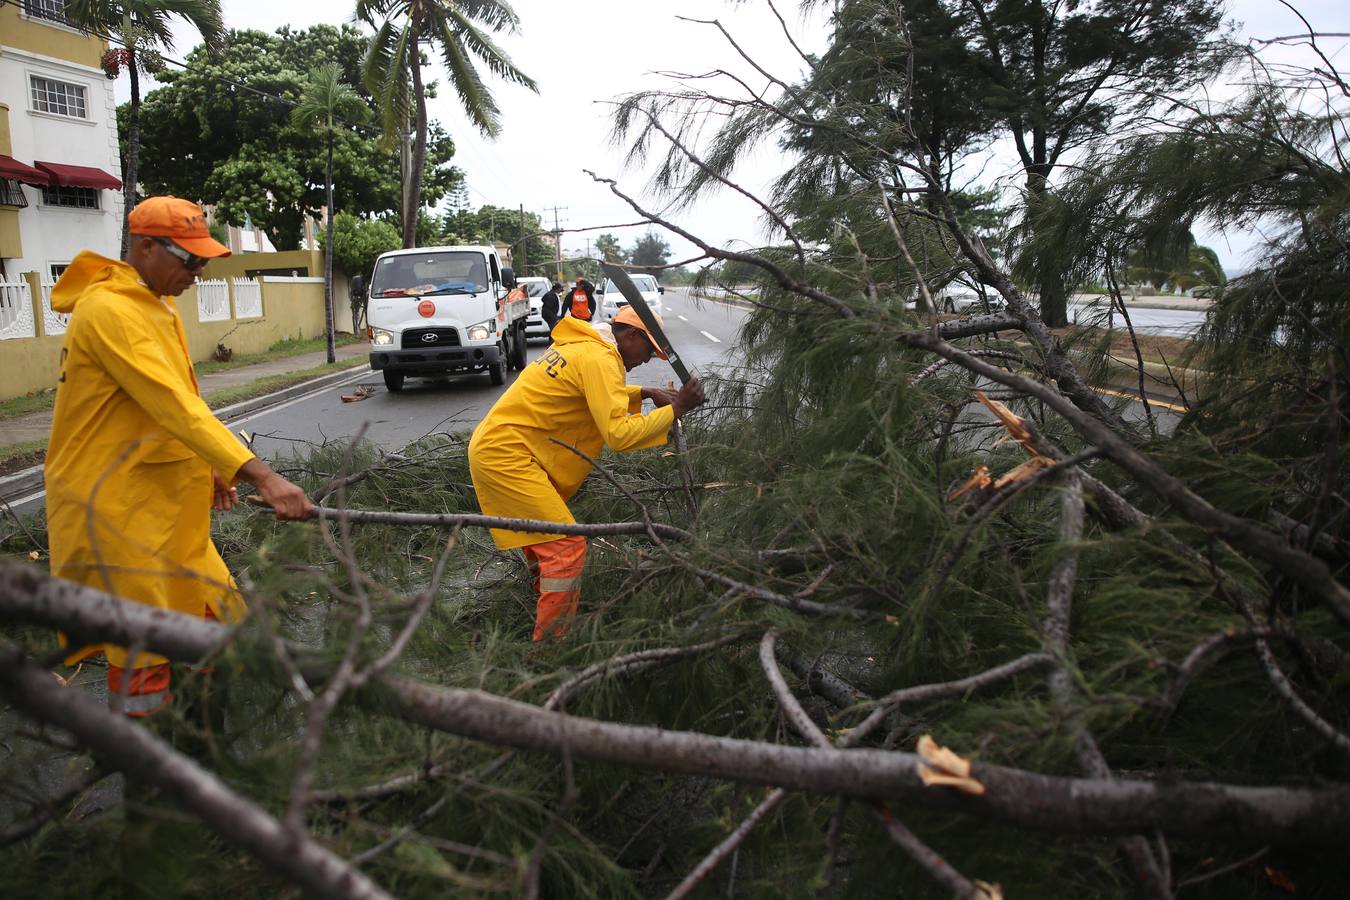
[[704, 334]]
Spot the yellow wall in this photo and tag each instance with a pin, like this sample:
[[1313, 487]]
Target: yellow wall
[[289, 310], [235, 266], [24, 33], [11, 245], [5, 146]]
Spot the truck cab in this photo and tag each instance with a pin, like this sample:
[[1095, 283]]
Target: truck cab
[[436, 311]]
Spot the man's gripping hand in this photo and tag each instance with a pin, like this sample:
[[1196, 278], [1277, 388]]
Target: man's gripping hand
[[689, 397], [287, 500]]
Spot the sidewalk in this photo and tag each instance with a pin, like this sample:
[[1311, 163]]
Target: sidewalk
[[35, 426]]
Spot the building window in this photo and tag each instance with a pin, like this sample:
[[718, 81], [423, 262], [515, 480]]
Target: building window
[[11, 194], [57, 270], [60, 98], [75, 197], [51, 10]]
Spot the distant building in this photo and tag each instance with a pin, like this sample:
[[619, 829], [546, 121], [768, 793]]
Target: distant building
[[60, 169]]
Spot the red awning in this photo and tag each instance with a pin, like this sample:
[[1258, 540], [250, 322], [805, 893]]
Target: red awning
[[78, 176], [13, 170]]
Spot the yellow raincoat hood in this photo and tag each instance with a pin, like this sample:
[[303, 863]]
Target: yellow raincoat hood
[[129, 464], [574, 393]]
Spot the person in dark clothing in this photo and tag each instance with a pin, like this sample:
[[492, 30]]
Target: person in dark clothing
[[550, 306], [581, 302]]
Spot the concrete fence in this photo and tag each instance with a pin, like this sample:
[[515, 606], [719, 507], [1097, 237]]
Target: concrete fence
[[247, 315]]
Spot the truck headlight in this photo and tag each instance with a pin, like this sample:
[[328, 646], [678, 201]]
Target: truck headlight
[[482, 331], [381, 338]]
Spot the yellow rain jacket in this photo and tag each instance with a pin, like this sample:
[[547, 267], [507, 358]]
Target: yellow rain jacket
[[575, 393], [133, 445]]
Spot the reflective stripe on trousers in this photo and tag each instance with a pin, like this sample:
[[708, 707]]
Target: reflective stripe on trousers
[[148, 691], [556, 566]]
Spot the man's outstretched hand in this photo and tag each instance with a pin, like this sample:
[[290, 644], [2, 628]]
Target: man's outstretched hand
[[287, 500]]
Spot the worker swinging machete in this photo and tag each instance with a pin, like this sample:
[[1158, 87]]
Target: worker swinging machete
[[630, 293]]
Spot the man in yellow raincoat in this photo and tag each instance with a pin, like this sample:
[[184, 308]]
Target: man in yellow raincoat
[[574, 393], [136, 460]]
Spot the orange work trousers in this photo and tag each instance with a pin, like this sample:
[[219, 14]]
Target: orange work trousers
[[556, 566], [148, 691]]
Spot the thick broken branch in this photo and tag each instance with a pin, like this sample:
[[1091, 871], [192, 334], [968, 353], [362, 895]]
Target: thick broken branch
[[1066, 805]]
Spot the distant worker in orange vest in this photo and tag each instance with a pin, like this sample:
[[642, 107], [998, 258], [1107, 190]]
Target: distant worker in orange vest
[[582, 303]]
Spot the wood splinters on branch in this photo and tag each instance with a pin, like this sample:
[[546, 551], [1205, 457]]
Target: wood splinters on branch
[[989, 891], [941, 767], [981, 481]]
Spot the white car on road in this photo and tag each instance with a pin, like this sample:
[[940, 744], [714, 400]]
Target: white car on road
[[609, 300], [535, 288]]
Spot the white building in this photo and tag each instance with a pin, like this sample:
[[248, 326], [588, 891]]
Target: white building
[[60, 170]]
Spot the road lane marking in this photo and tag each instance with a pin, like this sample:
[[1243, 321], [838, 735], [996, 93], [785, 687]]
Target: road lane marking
[[359, 374], [713, 338], [1174, 407], [681, 318]]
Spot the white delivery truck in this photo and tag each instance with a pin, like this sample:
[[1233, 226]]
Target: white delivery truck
[[435, 311]]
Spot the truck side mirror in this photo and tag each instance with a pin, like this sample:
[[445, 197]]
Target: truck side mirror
[[357, 286], [660, 290], [508, 277]]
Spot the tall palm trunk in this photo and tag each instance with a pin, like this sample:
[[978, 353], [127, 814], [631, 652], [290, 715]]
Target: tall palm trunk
[[412, 203], [328, 252], [129, 171]]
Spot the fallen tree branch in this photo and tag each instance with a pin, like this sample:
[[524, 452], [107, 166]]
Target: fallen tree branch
[[475, 520], [1148, 875], [941, 871], [1286, 690], [1277, 815], [125, 745], [1299, 566]]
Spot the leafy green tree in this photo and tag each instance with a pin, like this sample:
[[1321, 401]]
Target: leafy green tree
[[324, 103], [1062, 75], [607, 245], [217, 132], [393, 72], [355, 244], [650, 252], [142, 27]]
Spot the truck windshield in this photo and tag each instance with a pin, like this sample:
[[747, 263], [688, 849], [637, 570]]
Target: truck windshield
[[417, 274]]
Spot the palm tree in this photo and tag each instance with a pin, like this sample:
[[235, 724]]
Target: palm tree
[[142, 28], [326, 104], [393, 71]]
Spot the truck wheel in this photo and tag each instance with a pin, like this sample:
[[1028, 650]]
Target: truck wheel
[[393, 380], [498, 370], [518, 353]]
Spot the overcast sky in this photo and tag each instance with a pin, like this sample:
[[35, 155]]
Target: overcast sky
[[585, 53]]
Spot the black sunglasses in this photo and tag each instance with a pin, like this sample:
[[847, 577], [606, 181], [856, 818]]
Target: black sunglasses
[[189, 260]]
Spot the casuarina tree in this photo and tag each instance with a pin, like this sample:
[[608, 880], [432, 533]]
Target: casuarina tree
[[393, 72], [327, 105], [141, 27]]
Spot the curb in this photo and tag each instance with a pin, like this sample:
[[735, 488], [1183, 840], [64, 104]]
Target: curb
[[24, 484]]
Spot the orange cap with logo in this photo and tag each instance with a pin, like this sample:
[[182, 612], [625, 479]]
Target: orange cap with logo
[[181, 221], [628, 316]]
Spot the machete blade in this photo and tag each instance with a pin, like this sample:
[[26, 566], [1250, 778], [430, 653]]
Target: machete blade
[[634, 298]]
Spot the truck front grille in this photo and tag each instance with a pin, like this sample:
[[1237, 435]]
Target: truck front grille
[[430, 338]]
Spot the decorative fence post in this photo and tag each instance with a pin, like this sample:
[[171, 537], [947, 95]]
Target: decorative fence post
[[16, 310]]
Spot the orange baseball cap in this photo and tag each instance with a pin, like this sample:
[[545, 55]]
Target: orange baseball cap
[[181, 221], [628, 316]]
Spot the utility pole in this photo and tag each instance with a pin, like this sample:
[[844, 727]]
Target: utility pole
[[524, 243], [557, 242]]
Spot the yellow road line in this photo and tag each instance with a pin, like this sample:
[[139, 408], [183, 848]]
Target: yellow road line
[[1174, 407]]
